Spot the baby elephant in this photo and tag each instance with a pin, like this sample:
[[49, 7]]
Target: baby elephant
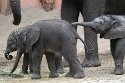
[[111, 27], [46, 37]]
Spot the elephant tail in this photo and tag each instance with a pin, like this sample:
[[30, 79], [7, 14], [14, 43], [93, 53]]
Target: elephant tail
[[83, 43], [78, 37]]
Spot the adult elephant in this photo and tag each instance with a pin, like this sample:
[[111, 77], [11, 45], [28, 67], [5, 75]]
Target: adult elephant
[[90, 9], [16, 10]]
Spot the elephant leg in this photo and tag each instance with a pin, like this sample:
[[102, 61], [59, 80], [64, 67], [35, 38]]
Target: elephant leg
[[16, 10], [58, 63], [69, 52], [37, 54], [119, 56], [113, 47], [69, 13], [51, 64], [30, 64], [91, 10], [25, 63]]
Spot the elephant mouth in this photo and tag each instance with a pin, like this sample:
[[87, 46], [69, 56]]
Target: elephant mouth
[[96, 31]]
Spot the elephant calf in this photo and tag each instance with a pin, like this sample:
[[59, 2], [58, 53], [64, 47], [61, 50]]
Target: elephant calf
[[111, 27], [46, 37]]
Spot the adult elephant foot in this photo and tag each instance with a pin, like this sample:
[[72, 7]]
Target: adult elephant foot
[[91, 61], [118, 70]]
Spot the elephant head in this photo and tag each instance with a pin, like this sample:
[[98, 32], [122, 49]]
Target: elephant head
[[109, 26], [21, 41], [11, 45], [16, 10]]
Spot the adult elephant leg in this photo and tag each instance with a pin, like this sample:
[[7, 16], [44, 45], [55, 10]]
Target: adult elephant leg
[[69, 13], [16, 10], [91, 10]]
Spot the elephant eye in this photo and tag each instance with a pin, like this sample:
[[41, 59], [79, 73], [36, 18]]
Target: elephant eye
[[9, 43]]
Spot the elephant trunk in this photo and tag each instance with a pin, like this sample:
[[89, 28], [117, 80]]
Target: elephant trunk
[[86, 24], [16, 63], [16, 10], [7, 56]]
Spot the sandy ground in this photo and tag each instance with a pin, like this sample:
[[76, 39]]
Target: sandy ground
[[100, 74]]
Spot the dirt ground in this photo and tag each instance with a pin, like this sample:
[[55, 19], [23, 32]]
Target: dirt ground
[[100, 74]]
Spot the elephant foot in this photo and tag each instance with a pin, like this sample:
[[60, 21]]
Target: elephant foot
[[77, 75], [24, 72], [91, 61], [60, 71], [70, 74], [65, 63], [118, 70], [36, 76], [31, 72], [53, 75]]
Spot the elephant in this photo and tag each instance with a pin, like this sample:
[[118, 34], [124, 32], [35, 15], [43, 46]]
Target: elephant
[[111, 27], [16, 10], [90, 9], [46, 37]]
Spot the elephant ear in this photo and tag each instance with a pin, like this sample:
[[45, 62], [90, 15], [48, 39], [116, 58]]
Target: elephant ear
[[117, 30], [32, 36]]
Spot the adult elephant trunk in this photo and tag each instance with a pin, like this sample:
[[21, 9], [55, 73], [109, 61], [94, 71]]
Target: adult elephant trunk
[[86, 24], [16, 10]]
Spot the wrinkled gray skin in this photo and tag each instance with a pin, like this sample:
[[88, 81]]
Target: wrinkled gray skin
[[16, 10], [46, 37], [90, 9], [111, 27]]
